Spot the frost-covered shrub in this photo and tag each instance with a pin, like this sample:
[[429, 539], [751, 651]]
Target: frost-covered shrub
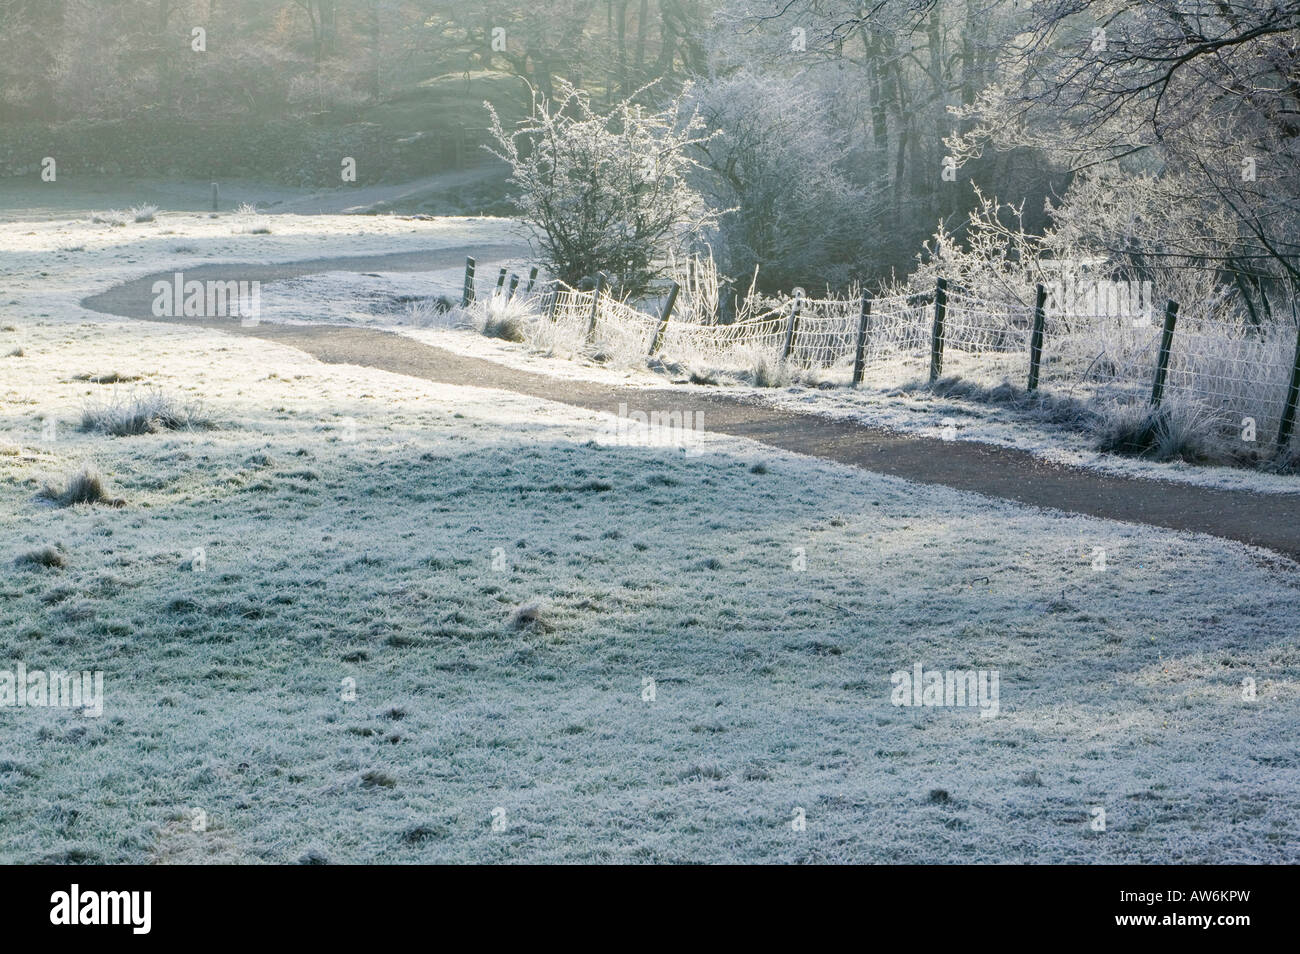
[[605, 193]]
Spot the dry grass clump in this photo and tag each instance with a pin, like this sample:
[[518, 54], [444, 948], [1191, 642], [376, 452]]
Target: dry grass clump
[[529, 616], [140, 413], [435, 312], [50, 557], [1283, 460], [507, 327], [110, 377], [250, 223], [114, 217], [499, 317], [1065, 412], [1173, 431], [767, 372], [757, 367], [86, 486]]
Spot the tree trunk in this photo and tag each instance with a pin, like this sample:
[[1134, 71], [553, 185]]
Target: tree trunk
[[639, 62], [620, 21]]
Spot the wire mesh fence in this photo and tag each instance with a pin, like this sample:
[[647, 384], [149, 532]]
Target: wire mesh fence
[[1238, 374], [725, 346], [1099, 357], [897, 337], [1098, 349], [985, 340]]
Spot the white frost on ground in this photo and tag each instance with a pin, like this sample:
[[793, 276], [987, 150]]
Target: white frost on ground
[[359, 525], [48, 267]]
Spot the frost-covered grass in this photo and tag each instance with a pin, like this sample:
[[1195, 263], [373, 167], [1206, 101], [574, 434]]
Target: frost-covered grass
[[498, 578], [48, 266], [114, 217]]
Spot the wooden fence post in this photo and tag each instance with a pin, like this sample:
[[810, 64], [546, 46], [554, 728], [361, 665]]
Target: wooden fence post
[[554, 303], [1162, 362], [216, 197], [468, 297], [532, 279], [1292, 398], [1036, 338], [793, 327], [658, 341], [860, 352], [936, 335], [501, 281], [514, 283], [595, 307]]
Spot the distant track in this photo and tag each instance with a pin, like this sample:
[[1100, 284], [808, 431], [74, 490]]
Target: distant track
[[1266, 520]]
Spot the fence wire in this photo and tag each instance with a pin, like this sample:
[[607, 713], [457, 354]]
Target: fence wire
[[1236, 373], [1232, 370]]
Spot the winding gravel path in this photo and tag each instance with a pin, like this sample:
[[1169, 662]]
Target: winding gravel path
[[1266, 520]]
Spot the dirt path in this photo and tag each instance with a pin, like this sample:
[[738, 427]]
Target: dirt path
[[1267, 520]]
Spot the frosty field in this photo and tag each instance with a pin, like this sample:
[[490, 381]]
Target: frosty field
[[564, 647]]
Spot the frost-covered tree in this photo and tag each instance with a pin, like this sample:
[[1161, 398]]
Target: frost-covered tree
[[606, 193], [1200, 98], [779, 163]]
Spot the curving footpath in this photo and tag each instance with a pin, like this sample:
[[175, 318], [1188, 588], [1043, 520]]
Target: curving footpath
[[1265, 520]]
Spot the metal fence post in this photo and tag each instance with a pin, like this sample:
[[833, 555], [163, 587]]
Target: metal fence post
[[1162, 362], [936, 335], [1036, 338], [860, 352]]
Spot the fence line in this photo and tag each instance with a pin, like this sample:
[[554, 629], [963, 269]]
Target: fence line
[[1236, 371]]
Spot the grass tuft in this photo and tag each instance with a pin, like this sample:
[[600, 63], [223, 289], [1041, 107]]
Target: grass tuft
[[114, 217], [1064, 412], [766, 372], [506, 326], [84, 487], [1167, 433], [140, 413], [528, 616], [50, 557], [111, 377]]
